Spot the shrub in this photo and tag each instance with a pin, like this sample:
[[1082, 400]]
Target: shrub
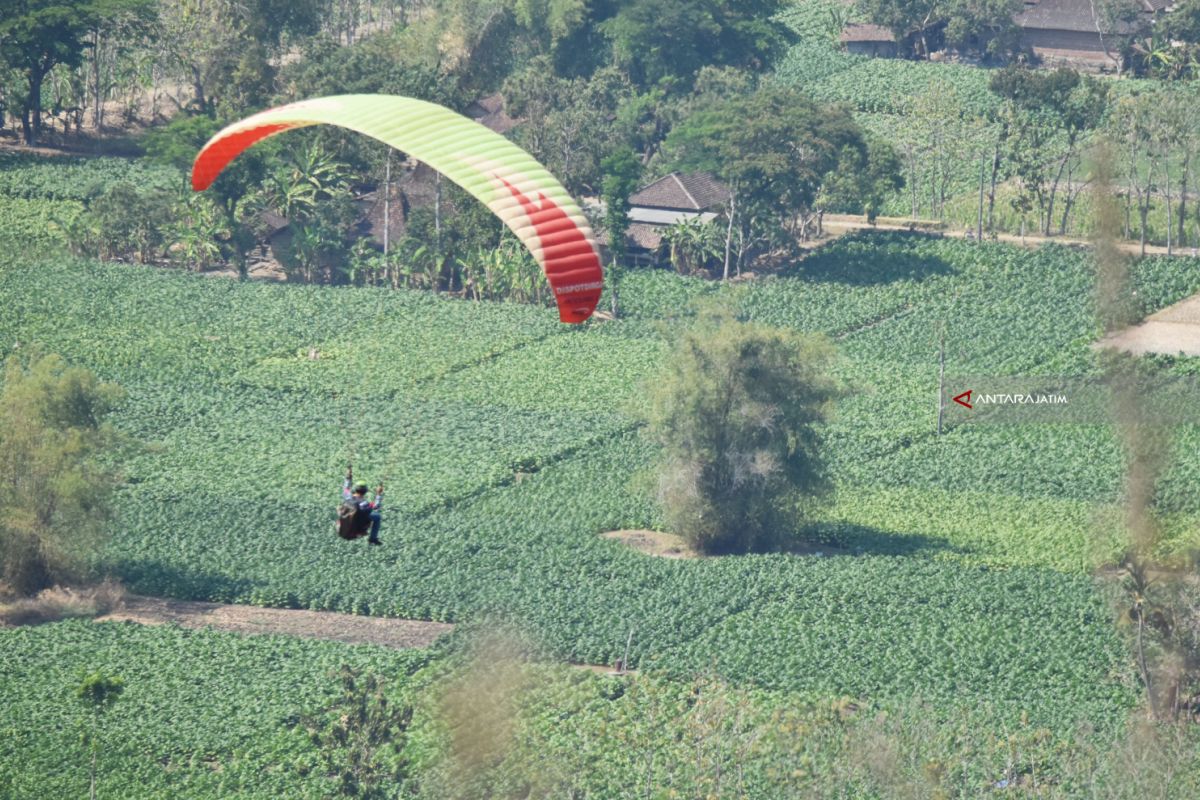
[[53, 492], [735, 411]]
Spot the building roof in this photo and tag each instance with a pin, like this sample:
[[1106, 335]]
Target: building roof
[[866, 33], [489, 112], [273, 222], [667, 216], [646, 237], [691, 191], [1076, 15]]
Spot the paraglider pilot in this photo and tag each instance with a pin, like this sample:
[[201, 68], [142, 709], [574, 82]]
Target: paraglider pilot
[[367, 512]]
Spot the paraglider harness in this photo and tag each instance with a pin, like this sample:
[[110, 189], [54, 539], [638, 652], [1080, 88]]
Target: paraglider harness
[[354, 514]]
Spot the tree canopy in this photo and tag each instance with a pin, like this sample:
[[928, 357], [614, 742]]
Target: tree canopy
[[54, 483], [37, 35], [735, 410]]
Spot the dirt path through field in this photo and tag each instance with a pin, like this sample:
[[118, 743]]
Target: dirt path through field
[[253, 620], [838, 224], [1174, 330], [348, 628]]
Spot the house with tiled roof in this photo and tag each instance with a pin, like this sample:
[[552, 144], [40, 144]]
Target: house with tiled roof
[[869, 40], [489, 112], [675, 198], [1074, 32]]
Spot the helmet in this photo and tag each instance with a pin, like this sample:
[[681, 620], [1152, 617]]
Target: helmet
[[361, 486]]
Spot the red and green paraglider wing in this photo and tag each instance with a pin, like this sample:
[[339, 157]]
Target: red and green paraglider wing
[[501, 175]]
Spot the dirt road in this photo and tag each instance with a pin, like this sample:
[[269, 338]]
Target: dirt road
[[838, 224], [349, 628]]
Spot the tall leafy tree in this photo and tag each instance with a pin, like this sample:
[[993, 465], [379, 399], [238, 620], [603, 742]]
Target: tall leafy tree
[[38, 35], [567, 122], [1181, 28], [622, 171], [923, 26], [862, 180], [177, 144], [773, 149], [735, 411], [664, 42], [1050, 114], [54, 482], [227, 49]]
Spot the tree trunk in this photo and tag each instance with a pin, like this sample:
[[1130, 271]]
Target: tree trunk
[[933, 206], [1183, 190], [1070, 201], [437, 214], [387, 204], [1143, 212], [614, 276], [97, 120], [1054, 189], [1128, 215], [729, 233], [1170, 220], [991, 213], [33, 125], [198, 87], [1144, 206]]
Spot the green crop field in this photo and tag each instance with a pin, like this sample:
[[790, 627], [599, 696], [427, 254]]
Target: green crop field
[[204, 714], [208, 714], [254, 396], [955, 572]]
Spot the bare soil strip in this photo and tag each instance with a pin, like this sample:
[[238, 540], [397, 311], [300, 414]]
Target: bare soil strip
[[837, 224], [1174, 330], [348, 628], [253, 620], [653, 543]]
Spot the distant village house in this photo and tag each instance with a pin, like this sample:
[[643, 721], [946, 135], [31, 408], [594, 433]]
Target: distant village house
[[1071, 32], [669, 200], [869, 40]]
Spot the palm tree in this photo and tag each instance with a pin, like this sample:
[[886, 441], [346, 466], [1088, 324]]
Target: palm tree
[[199, 233], [693, 244], [310, 175]]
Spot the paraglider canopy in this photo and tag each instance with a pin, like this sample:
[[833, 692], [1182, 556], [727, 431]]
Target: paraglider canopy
[[519, 190]]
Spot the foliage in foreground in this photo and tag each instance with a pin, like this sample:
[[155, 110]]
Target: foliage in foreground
[[203, 714]]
